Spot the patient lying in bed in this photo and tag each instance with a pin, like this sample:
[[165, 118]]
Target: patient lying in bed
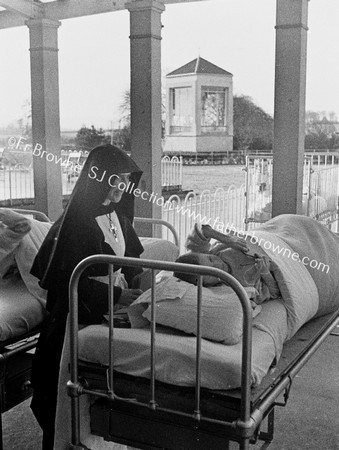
[[248, 264], [275, 269], [176, 295]]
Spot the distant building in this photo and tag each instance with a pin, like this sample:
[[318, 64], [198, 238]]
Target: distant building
[[199, 109], [324, 126]]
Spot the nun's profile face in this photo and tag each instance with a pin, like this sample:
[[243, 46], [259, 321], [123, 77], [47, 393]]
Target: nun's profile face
[[118, 185]]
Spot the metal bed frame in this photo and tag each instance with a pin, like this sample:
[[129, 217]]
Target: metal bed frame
[[153, 419]]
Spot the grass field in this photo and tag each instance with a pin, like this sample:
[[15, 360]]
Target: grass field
[[199, 178]]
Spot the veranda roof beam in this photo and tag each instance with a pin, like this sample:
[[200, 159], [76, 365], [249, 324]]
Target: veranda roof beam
[[24, 8], [60, 10]]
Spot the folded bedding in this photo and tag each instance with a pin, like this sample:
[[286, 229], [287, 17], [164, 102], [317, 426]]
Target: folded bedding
[[304, 260], [297, 287], [319, 247], [20, 240], [22, 301]]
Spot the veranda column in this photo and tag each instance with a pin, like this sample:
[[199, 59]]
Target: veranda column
[[289, 106], [45, 115], [145, 42]]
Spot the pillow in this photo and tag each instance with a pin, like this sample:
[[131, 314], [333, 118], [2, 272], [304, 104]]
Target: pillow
[[13, 227], [176, 307], [161, 249], [25, 254]]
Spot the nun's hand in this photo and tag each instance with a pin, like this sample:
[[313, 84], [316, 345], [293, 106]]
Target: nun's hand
[[128, 296]]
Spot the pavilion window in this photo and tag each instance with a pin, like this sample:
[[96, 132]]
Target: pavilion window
[[213, 109], [181, 110]]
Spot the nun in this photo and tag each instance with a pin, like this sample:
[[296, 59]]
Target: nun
[[97, 220]]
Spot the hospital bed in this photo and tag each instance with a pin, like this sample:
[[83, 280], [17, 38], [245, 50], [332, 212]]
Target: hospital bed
[[20, 323], [21, 317], [146, 413]]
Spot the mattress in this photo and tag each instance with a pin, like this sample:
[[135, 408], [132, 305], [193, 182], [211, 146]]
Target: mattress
[[175, 351], [20, 312]]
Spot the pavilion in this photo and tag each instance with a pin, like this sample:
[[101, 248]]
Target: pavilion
[[199, 109]]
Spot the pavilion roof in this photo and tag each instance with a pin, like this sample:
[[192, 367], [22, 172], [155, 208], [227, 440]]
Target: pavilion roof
[[199, 65]]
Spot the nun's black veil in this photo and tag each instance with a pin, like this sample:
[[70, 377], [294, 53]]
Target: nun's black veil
[[64, 246], [95, 182]]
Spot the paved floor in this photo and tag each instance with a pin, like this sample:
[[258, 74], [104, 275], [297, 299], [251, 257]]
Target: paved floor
[[20, 430], [310, 421]]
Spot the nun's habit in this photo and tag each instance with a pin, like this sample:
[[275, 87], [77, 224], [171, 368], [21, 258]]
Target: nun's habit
[[73, 237]]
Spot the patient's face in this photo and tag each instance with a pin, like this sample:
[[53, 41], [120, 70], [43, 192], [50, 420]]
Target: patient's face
[[207, 259]]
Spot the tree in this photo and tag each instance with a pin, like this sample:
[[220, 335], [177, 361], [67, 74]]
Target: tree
[[125, 109], [253, 127], [88, 138], [321, 130], [317, 140], [122, 136], [25, 121]]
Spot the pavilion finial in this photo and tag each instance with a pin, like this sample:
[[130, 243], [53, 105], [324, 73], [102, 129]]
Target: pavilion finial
[[197, 61]]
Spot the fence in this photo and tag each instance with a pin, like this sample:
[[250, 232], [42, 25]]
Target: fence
[[258, 181], [250, 205], [222, 209], [171, 172], [243, 208], [16, 181], [320, 186]]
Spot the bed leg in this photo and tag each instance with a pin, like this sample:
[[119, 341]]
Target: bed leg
[[267, 436], [1, 437], [1, 406], [244, 444], [2, 394]]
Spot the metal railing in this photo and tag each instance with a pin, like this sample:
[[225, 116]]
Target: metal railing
[[222, 208], [320, 187], [241, 208], [171, 171], [16, 181]]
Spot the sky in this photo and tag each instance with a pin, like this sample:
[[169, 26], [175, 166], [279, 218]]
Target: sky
[[237, 35]]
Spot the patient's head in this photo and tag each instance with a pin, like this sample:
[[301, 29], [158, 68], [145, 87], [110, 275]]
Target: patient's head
[[201, 259]]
